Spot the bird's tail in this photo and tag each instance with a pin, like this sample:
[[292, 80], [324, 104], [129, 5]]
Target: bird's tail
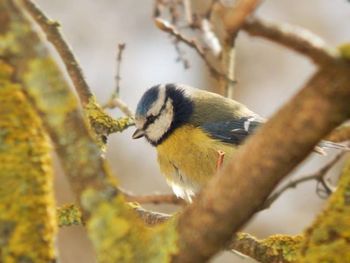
[[320, 148]]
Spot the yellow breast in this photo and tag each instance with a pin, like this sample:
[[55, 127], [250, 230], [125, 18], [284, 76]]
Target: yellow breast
[[188, 157]]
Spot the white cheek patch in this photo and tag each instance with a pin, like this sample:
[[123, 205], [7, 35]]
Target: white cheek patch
[[161, 125], [157, 105]]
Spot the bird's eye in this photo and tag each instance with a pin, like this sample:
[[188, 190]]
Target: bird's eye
[[151, 118]]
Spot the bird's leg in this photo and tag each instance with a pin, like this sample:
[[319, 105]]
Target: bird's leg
[[220, 160]]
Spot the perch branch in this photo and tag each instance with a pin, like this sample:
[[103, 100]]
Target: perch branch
[[295, 38]]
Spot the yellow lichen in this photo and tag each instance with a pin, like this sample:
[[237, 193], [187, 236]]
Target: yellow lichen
[[287, 246], [344, 50], [275, 248], [27, 213], [68, 215], [119, 235], [102, 124], [41, 73], [328, 239]]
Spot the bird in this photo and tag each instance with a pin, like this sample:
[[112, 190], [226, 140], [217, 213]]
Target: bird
[[195, 132]]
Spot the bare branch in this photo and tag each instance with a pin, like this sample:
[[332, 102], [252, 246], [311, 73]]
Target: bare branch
[[53, 34], [319, 176], [154, 198], [295, 38], [115, 101], [188, 11], [118, 103], [234, 17], [167, 27]]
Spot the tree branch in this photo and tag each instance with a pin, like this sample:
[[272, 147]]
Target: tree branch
[[340, 134], [154, 199], [274, 249], [100, 121], [319, 176], [170, 29], [292, 37], [229, 197], [327, 240], [234, 17], [53, 34]]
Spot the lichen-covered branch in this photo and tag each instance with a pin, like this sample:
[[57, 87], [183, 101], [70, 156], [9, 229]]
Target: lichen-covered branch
[[117, 233], [293, 37], [274, 249], [54, 35], [27, 209], [69, 215], [327, 93], [102, 124], [328, 239], [99, 120]]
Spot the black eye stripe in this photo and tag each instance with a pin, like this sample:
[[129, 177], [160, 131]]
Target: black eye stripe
[[150, 119]]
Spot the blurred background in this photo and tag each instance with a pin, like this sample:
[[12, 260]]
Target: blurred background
[[268, 75]]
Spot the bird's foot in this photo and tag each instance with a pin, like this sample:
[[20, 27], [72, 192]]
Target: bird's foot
[[220, 160]]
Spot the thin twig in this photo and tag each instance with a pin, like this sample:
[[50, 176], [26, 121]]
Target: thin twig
[[234, 17], [118, 103], [180, 53], [121, 48], [53, 34], [319, 176], [188, 11], [155, 199], [295, 38], [115, 101], [167, 27]]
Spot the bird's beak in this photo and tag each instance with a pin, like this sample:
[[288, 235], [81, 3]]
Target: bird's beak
[[138, 134]]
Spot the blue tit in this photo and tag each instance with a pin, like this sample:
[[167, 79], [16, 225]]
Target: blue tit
[[192, 131]]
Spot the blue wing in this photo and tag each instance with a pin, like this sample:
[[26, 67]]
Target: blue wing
[[233, 131]]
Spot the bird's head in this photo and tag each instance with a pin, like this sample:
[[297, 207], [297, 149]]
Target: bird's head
[[161, 110]]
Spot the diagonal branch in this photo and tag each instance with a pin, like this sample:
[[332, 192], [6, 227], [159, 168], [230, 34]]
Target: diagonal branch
[[234, 17], [292, 37], [54, 35], [229, 200]]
